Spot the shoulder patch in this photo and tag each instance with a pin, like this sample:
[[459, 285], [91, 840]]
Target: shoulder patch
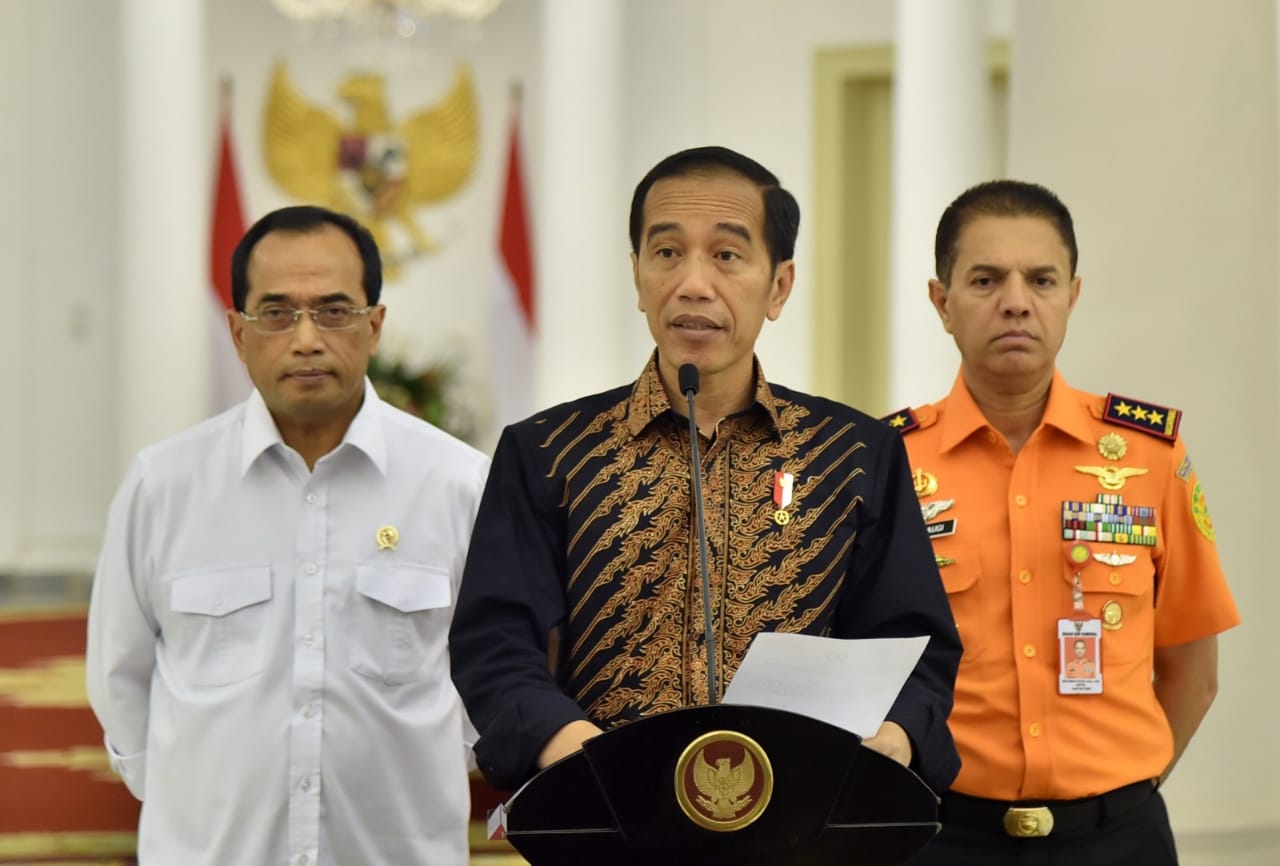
[[1160, 421], [904, 420]]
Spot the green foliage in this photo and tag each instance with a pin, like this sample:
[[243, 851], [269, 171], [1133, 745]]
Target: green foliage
[[427, 393]]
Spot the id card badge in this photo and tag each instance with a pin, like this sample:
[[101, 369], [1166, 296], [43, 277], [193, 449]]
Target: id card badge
[[1079, 656]]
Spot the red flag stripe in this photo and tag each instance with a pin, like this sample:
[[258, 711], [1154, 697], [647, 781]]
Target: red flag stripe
[[228, 216], [517, 251]]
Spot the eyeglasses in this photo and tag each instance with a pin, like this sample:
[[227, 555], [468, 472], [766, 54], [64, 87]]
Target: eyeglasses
[[280, 319]]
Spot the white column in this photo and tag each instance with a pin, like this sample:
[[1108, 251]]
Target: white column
[[166, 153], [15, 352], [59, 236], [1156, 122], [584, 278], [942, 144]]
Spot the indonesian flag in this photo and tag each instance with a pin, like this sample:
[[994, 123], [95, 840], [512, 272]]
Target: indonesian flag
[[512, 305], [229, 382]]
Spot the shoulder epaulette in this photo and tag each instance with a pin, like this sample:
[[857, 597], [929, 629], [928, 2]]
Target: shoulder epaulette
[[1160, 421], [904, 420]]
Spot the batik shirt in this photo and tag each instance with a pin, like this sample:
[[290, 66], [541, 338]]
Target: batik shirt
[[582, 597]]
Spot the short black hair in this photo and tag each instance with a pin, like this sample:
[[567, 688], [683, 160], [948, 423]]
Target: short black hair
[[781, 211], [1000, 198], [303, 219]]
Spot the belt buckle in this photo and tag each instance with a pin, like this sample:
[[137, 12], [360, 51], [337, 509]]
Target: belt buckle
[[1028, 822]]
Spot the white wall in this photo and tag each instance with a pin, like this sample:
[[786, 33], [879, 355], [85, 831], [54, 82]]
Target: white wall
[[1156, 123], [58, 239], [739, 73], [13, 351]]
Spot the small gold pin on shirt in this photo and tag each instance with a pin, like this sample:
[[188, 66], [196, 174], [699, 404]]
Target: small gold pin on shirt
[[925, 483], [1112, 446], [1112, 616], [388, 538]]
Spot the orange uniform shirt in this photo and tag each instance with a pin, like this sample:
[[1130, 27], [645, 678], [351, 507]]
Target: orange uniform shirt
[[1004, 565]]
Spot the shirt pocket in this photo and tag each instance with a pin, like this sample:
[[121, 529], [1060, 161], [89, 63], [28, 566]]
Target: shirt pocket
[[964, 589], [1122, 598], [400, 613], [216, 633]]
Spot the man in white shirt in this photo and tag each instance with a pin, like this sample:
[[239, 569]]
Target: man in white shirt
[[268, 628]]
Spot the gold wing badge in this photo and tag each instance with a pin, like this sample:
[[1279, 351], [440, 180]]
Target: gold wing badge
[[1112, 477], [369, 168]]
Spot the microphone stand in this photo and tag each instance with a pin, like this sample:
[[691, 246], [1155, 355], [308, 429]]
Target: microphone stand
[[689, 386]]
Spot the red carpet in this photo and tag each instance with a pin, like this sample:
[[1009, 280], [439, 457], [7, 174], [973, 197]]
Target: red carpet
[[59, 801]]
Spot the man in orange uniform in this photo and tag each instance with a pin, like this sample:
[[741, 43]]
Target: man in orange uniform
[[1080, 666], [1057, 516]]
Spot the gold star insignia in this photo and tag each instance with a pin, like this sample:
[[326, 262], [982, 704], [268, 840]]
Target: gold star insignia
[[898, 421], [1156, 418], [1140, 414], [1123, 408]]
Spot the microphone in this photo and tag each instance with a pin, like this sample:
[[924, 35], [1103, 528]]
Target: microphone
[[688, 377]]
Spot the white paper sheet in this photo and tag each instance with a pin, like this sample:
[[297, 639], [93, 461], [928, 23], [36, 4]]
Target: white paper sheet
[[848, 683]]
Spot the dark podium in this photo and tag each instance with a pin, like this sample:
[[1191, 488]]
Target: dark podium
[[722, 784]]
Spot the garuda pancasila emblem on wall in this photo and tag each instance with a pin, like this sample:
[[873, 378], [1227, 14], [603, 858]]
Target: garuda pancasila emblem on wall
[[376, 171]]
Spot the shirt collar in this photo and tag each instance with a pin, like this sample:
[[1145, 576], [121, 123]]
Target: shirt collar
[[1069, 415], [963, 417], [649, 399], [365, 431]]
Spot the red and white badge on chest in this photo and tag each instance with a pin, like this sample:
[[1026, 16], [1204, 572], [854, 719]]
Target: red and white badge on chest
[[783, 482]]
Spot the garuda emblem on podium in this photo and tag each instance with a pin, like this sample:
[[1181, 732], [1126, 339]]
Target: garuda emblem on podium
[[375, 170], [723, 781]]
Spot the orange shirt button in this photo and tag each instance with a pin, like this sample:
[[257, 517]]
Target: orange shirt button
[[1029, 651], [1024, 576], [1020, 499], [1034, 730], [1115, 578]]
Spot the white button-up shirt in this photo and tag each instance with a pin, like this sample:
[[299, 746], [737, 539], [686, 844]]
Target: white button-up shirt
[[268, 648]]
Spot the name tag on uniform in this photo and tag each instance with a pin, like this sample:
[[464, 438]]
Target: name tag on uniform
[[940, 528], [1079, 656]]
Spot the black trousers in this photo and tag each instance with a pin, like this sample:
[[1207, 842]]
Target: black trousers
[[1139, 837]]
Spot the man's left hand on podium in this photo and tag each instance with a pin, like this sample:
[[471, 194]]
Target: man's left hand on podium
[[891, 740], [566, 741]]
